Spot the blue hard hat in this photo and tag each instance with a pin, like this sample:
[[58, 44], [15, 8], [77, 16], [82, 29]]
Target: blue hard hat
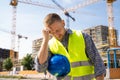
[[58, 65]]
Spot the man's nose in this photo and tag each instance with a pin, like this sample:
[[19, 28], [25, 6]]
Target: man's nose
[[54, 32]]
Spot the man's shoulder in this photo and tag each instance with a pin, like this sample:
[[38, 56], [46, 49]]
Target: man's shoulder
[[85, 34]]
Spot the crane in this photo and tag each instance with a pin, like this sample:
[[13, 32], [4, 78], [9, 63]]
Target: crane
[[13, 31], [112, 33], [18, 37], [13, 3]]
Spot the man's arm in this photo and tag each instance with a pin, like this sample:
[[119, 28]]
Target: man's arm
[[95, 58], [41, 67], [41, 60], [43, 52]]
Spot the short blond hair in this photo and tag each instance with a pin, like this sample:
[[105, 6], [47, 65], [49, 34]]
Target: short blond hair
[[51, 18]]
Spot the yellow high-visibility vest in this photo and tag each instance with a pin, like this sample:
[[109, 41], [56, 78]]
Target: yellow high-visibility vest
[[80, 63]]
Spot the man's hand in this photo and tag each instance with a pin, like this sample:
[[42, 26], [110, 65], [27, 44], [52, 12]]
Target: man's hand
[[45, 33], [43, 52]]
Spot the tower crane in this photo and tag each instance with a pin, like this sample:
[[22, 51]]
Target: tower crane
[[13, 3], [18, 37], [112, 32], [13, 31]]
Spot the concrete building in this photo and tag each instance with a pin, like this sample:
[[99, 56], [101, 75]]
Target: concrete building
[[6, 53], [99, 35], [36, 44]]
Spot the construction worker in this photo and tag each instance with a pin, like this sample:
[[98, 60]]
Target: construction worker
[[77, 46]]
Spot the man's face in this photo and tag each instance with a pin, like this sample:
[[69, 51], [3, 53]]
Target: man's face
[[57, 29]]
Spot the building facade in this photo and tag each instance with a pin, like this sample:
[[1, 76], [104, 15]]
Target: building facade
[[6, 53], [36, 44], [100, 37]]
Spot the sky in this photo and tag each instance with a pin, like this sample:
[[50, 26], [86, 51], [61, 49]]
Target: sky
[[29, 20]]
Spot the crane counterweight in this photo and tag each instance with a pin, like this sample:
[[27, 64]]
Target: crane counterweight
[[14, 2]]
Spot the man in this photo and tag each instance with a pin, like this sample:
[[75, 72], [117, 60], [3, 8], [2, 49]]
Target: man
[[86, 63]]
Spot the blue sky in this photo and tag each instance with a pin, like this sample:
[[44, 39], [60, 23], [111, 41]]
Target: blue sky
[[30, 20]]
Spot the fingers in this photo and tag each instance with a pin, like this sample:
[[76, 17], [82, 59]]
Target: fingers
[[45, 31]]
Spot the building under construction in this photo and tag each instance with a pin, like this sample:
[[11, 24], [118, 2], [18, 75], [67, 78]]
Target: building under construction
[[100, 37], [36, 44], [4, 54], [107, 46]]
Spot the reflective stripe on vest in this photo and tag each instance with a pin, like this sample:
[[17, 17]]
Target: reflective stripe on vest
[[80, 63], [87, 77]]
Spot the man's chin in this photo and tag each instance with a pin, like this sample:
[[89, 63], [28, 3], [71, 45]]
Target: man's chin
[[59, 39]]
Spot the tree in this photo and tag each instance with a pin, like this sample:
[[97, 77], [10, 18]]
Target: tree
[[28, 62], [7, 64]]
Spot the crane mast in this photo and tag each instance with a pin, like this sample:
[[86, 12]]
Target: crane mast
[[13, 3], [13, 31], [111, 30]]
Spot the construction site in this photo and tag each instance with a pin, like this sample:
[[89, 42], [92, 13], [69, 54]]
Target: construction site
[[21, 32]]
